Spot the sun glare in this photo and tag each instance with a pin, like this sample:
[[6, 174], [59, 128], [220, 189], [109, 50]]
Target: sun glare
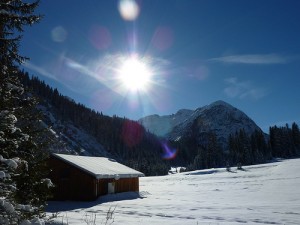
[[134, 74]]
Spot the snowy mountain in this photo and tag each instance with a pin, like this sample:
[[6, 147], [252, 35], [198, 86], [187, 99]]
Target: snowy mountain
[[162, 125], [219, 117]]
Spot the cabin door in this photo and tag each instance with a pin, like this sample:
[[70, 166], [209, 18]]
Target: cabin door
[[111, 188]]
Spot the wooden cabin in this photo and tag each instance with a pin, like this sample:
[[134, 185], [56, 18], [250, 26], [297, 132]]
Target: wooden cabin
[[85, 178]]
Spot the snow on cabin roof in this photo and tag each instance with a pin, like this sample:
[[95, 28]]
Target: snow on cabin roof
[[100, 167]]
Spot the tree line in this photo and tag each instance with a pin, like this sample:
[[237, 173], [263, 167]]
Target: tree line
[[242, 149]]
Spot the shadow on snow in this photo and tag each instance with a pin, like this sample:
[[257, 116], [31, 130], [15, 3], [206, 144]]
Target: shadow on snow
[[59, 206]]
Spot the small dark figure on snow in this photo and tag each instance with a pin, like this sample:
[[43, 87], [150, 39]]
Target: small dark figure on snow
[[228, 168], [239, 166]]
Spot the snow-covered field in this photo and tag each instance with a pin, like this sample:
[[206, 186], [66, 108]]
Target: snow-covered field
[[261, 194]]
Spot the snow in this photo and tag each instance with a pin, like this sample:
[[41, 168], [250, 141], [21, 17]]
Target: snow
[[162, 125], [27, 208], [25, 222], [35, 221], [220, 117], [13, 87], [69, 138], [100, 167], [2, 11], [48, 182], [179, 169], [260, 194], [2, 174], [8, 207], [12, 163]]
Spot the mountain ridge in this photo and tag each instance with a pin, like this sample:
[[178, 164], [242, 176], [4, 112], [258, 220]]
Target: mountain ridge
[[196, 139], [161, 125], [219, 117]]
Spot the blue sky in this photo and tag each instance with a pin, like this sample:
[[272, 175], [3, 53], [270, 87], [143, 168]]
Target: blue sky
[[246, 53]]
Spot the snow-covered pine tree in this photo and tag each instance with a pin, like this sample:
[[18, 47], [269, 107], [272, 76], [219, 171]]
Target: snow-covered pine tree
[[10, 165], [32, 187], [14, 14]]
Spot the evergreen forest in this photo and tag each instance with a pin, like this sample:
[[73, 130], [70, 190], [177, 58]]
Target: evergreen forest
[[130, 143]]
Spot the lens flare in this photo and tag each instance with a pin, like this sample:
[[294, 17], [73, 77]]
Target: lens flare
[[129, 9], [100, 37], [168, 152], [59, 34]]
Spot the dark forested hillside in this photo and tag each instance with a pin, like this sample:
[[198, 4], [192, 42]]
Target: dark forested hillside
[[121, 138], [130, 143]]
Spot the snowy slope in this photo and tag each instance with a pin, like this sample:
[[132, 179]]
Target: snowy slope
[[162, 125], [261, 194], [218, 117], [67, 138]]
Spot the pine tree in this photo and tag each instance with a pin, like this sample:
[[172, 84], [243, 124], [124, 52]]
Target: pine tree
[[232, 150], [259, 149], [296, 138], [33, 187], [200, 161], [10, 165], [15, 14], [245, 147], [214, 152]]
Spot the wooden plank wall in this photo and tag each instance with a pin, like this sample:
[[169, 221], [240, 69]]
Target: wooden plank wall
[[127, 184], [121, 185], [71, 183]]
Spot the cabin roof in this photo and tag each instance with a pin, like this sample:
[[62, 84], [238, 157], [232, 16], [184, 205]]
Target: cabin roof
[[100, 167]]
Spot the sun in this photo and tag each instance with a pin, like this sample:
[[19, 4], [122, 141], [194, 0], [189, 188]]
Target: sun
[[134, 74]]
